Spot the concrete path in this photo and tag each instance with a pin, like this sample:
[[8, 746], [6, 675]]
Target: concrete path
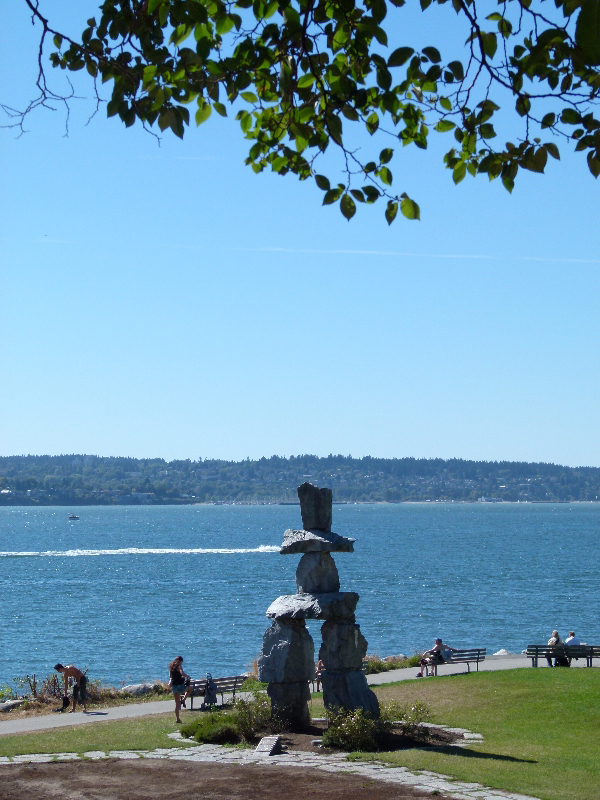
[[59, 720], [67, 720], [510, 661]]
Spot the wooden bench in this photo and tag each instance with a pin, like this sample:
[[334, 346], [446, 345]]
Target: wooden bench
[[594, 652], [537, 651], [468, 656], [223, 686]]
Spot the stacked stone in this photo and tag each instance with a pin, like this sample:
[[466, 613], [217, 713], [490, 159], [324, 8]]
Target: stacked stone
[[286, 662]]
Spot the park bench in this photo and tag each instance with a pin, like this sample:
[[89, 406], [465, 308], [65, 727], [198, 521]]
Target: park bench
[[223, 686], [537, 651], [594, 652], [468, 656]]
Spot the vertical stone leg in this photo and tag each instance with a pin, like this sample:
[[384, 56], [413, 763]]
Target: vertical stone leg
[[289, 705], [342, 652], [287, 664]]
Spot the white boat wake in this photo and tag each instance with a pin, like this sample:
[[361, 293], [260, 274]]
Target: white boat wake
[[141, 551]]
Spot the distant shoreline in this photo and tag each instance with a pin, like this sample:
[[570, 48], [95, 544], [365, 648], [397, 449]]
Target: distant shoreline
[[75, 504]]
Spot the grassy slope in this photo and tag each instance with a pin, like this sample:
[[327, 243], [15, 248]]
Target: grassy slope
[[141, 733], [540, 729]]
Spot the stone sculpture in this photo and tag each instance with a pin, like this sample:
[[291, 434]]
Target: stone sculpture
[[287, 659]]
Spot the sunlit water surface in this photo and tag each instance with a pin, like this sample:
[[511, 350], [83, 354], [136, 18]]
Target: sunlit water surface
[[123, 590]]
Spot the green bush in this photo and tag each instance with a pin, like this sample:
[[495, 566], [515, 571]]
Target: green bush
[[358, 731], [407, 718], [215, 727], [253, 715], [354, 730], [374, 664], [252, 685], [6, 693]]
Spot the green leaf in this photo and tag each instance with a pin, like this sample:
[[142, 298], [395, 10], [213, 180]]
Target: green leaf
[[372, 123], [570, 117], [548, 120], [347, 206], [203, 113], [490, 43], [225, 24], [357, 195], [593, 165], [372, 193], [409, 208], [306, 81], [553, 150], [386, 176], [400, 56], [220, 109], [433, 54], [153, 5], [330, 197], [523, 105], [58, 40], [334, 123], [508, 176], [457, 70], [459, 172], [587, 31], [535, 160], [386, 155], [322, 182], [391, 211], [444, 125], [249, 97]]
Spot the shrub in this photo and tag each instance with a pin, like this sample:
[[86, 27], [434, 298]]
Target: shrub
[[357, 730], [6, 693], [215, 727], [408, 718], [252, 685], [375, 664], [354, 730], [254, 714]]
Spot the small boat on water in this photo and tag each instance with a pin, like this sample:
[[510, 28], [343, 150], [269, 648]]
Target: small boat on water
[[73, 516]]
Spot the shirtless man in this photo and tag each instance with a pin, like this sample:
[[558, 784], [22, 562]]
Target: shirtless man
[[79, 684]]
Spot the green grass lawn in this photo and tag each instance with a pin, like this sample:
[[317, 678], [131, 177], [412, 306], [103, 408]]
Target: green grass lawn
[[141, 733], [541, 729]]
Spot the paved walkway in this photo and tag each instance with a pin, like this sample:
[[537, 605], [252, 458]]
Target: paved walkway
[[163, 706], [510, 661]]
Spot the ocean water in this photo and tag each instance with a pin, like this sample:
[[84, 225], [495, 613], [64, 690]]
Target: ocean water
[[124, 590]]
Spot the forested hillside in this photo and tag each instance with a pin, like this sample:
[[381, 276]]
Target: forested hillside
[[94, 480]]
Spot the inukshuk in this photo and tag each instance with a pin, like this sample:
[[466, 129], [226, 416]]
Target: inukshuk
[[286, 662]]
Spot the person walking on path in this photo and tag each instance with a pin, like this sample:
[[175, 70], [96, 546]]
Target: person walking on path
[[434, 656], [179, 682], [79, 685]]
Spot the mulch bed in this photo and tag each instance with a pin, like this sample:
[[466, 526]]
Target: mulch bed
[[169, 780], [433, 737]]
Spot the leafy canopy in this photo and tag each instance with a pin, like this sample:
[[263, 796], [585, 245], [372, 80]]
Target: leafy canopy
[[301, 74]]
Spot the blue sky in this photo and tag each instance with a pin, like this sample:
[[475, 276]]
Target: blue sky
[[165, 301]]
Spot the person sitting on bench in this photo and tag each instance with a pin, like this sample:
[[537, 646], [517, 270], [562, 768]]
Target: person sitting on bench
[[436, 655]]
